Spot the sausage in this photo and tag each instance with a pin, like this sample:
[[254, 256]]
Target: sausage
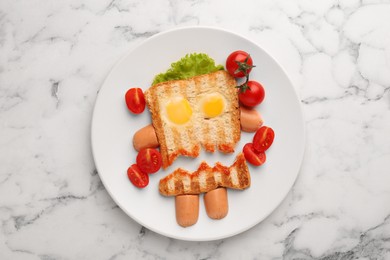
[[145, 138], [250, 120], [216, 203], [187, 209]]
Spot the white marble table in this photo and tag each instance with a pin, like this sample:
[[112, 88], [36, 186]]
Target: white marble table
[[54, 56]]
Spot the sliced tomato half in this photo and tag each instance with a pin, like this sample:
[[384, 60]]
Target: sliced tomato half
[[137, 177], [263, 138], [252, 156], [149, 160]]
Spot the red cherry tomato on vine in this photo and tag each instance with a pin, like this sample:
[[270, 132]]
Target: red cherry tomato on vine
[[137, 177], [149, 160], [135, 100], [263, 138], [239, 62], [253, 95], [252, 156]]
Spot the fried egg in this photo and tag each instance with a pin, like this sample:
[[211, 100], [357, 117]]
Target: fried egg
[[177, 110], [212, 105]]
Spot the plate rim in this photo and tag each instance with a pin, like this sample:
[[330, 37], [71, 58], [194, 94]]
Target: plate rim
[[174, 30]]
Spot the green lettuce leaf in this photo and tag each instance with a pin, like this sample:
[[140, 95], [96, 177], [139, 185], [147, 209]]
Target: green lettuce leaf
[[189, 66]]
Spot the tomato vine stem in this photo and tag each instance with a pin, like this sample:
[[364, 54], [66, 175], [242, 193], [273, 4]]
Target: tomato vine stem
[[244, 67]]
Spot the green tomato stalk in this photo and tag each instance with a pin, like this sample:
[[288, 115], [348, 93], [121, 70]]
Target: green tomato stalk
[[244, 67]]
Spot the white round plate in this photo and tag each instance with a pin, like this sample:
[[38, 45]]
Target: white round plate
[[113, 127]]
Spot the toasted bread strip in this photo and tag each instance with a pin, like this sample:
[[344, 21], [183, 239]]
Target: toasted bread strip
[[207, 178]]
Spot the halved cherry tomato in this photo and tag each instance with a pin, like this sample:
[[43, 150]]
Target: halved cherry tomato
[[137, 177], [263, 138], [253, 95], [252, 156], [135, 100], [239, 64], [149, 160]]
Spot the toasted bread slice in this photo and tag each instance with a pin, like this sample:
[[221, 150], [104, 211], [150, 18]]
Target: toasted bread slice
[[207, 178], [221, 132]]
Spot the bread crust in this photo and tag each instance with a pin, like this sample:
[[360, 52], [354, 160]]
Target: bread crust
[[206, 178], [221, 133]]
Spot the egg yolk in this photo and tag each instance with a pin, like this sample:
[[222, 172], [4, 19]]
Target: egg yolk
[[213, 105], [179, 111]]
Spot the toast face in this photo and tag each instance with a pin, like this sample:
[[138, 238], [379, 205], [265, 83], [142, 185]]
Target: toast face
[[221, 132], [206, 178]]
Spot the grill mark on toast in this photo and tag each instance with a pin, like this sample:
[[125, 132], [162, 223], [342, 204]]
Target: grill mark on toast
[[210, 181], [207, 143], [176, 138], [218, 178], [195, 188], [228, 181], [163, 147], [171, 184], [179, 187], [225, 175], [187, 90], [222, 128]]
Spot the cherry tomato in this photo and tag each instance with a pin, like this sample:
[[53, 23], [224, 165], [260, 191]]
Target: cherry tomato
[[239, 62], [149, 160], [137, 177], [263, 138], [253, 95], [252, 156], [135, 100]]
